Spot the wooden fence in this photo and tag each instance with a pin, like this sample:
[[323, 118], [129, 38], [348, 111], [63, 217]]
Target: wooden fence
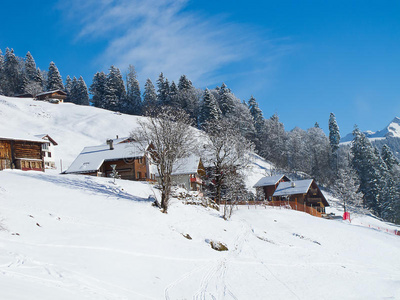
[[284, 204]]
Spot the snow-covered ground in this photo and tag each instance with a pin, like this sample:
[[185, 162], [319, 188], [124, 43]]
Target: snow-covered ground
[[79, 237]]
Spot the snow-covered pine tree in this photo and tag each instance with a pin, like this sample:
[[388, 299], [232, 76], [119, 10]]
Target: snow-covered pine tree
[[209, 110], [97, 89], [54, 80], [115, 92], [133, 102], [188, 97], [173, 98], [226, 100], [162, 90], [241, 116], [68, 88], [30, 68], [258, 122], [364, 162], [74, 91], [334, 134], [1, 71], [82, 94], [149, 96], [11, 74], [389, 159]]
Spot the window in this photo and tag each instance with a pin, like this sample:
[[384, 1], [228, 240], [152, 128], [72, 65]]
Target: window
[[45, 147], [140, 160], [138, 175], [49, 154]]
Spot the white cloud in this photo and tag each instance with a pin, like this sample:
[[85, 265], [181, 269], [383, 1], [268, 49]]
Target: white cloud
[[162, 36]]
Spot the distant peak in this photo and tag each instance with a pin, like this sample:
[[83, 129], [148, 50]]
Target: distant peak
[[396, 120]]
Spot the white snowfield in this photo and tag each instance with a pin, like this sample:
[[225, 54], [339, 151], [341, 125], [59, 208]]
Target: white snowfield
[[79, 237]]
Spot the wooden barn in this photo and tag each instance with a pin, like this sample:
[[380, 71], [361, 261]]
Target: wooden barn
[[302, 195], [266, 186], [132, 163], [56, 96], [23, 154]]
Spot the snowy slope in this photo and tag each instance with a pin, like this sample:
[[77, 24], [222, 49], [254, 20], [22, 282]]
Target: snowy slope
[[79, 237], [72, 126], [86, 238]]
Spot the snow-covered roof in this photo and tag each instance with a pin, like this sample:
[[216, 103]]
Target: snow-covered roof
[[46, 136], [91, 158], [268, 180], [188, 165], [22, 137], [51, 92], [293, 187]]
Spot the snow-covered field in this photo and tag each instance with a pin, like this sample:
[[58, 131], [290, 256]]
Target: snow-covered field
[[78, 237]]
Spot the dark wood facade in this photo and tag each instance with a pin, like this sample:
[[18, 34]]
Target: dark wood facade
[[58, 94], [21, 154], [127, 168], [269, 190], [313, 199]]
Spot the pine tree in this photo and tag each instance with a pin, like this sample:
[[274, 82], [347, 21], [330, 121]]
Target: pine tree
[[68, 88], [114, 90], [173, 98], [97, 89], [11, 74], [334, 134], [133, 103], [82, 95], [209, 110], [149, 96], [162, 90], [365, 164], [226, 100], [74, 90], [388, 157], [257, 115], [316, 125], [30, 68], [1, 72], [54, 80]]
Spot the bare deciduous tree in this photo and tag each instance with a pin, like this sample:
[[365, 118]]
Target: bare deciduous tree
[[227, 152], [169, 132]]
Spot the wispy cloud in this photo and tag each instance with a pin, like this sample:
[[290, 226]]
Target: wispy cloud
[[164, 36]]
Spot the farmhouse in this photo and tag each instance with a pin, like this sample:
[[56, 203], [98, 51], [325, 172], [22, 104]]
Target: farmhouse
[[188, 173], [266, 186], [21, 153], [48, 150], [56, 96], [303, 195], [132, 162]]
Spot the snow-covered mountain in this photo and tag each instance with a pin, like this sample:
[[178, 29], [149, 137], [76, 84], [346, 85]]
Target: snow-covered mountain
[[81, 237], [390, 131]]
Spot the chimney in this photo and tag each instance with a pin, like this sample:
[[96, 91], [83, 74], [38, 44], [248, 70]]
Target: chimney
[[110, 142], [117, 136], [293, 184]]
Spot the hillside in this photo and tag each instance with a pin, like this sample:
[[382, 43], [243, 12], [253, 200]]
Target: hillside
[[79, 237]]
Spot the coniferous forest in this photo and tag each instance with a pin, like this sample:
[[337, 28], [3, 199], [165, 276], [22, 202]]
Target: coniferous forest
[[358, 173]]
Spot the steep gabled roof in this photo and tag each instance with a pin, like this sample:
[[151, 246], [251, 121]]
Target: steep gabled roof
[[51, 92], [91, 158], [44, 136], [22, 137], [293, 187], [269, 180]]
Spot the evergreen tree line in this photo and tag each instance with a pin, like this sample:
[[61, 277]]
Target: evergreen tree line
[[360, 174], [21, 76]]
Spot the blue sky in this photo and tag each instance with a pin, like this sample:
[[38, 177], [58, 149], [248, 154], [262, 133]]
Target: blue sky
[[300, 59]]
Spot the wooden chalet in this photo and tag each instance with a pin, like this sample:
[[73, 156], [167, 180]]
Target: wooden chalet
[[188, 173], [266, 186], [132, 163], [21, 153], [56, 96], [302, 195]]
